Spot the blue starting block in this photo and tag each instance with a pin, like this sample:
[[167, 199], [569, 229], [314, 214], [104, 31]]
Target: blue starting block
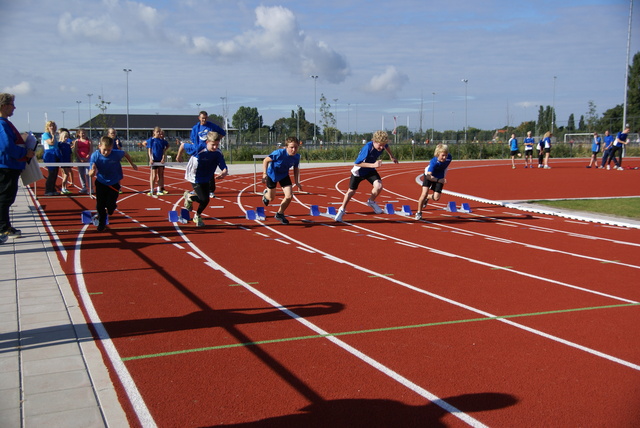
[[451, 207], [87, 217], [405, 211], [257, 214], [315, 211], [465, 208], [184, 216]]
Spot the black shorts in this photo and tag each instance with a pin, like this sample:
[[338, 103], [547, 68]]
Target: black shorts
[[154, 166], [283, 183], [433, 185], [514, 152], [356, 180]]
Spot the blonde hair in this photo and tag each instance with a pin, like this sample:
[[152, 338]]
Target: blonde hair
[[291, 140], [213, 136], [547, 134], [106, 141], [441, 148], [381, 137], [48, 125], [64, 136]]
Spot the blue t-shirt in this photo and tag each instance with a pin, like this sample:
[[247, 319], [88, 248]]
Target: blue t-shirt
[[529, 142], [10, 151], [622, 137], [157, 146], [438, 169], [64, 148], [199, 132], [595, 146], [368, 154], [280, 164], [513, 143], [205, 161], [608, 140], [109, 167]]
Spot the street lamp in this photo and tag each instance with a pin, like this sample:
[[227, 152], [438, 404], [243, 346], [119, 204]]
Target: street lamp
[[127, 71], [553, 109], [348, 122], [433, 114], [298, 123], [335, 120], [90, 124], [465, 81], [315, 96], [78, 102]]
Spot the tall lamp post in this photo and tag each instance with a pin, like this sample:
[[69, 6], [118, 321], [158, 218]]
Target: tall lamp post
[[90, 124], [315, 97], [127, 71], [78, 102], [553, 109], [465, 81], [335, 100], [433, 114], [298, 123]]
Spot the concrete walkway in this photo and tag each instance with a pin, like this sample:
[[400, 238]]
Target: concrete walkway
[[51, 371]]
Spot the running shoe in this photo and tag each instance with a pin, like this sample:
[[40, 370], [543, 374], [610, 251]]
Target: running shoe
[[164, 192], [418, 216], [65, 192], [83, 191], [13, 233], [3, 237], [339, 215], [281, 218], [374, 206], [187, 201], [198, 221], [212, 195]]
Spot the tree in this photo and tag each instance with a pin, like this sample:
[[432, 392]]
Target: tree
[[581, 125], [246, 119], [612, 118], [571, 123], [326, 117], [592, 117]]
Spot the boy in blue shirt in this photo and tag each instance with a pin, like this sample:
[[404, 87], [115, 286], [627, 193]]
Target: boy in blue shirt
[[596, 145], [513, 146], [275, 169], [365, 169], [434, 179], [529, 142], [104, 165], [200, 170]]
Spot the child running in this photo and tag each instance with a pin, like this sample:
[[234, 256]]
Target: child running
[[201, 167], [365, 169], [434, 179], [157, 149], [104, 165], [275, 169]]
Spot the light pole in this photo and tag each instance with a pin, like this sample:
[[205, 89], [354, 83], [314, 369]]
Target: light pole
[[63, 118], [433, 114], [78, 102], [298, 123], [465, 81], [315, 118], [348, 122], [90, 124], [127, 71], [335, 120], [553, 109]]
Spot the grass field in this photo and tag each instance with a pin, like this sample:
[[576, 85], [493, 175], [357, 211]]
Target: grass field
[[624, 207]]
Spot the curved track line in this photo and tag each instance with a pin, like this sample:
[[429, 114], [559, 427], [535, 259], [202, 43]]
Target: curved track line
[[138, 404]]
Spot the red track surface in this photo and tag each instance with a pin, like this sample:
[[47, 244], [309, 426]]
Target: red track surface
[[227, 325]]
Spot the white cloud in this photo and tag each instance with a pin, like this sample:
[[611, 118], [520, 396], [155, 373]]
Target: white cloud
[[21, 88], [102, 29], [387, 83]]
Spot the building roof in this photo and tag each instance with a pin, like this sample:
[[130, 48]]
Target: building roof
[[145, 121]]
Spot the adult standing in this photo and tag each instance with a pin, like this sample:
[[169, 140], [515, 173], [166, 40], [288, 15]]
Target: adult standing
[[52, 155], [199, 134], [13, 157]]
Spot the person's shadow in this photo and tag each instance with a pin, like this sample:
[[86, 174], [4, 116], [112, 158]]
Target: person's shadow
[[384, 413]]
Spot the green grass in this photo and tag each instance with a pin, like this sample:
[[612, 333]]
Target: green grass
[[624, 207]]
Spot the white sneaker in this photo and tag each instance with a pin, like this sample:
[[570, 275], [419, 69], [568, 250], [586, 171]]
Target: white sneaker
[[198, 221], [620, 168], [374, 206], [547, 167], [608, 167], [418, 216], [339, 215]]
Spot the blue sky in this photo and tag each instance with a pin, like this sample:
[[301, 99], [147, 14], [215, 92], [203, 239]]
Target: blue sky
[[379, 59]]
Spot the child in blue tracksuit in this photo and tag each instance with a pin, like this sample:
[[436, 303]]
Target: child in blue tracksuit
[[200, 170], [434, 179], [104, 165], [365, 169]]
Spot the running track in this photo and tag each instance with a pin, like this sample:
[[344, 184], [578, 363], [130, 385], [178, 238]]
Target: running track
[[497, 317]]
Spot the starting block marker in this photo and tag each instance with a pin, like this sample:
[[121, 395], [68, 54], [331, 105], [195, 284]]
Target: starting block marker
[[257, 214], [184, 216], [315, 211], [465, 208], [451, 207], [87, 217], [405, 211]]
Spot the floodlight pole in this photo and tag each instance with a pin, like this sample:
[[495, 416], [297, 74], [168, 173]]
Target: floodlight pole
[[315, 111], [127, 71]]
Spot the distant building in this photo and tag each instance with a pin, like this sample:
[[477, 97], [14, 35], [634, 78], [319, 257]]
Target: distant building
[[141, 125]]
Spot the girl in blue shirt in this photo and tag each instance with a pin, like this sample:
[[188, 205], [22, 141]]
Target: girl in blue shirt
[[275, 169], [50, 144], [157, 149], [434, 179], [64, 150], [529, 142], [513, 146], [104, 165], [596, 145]]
